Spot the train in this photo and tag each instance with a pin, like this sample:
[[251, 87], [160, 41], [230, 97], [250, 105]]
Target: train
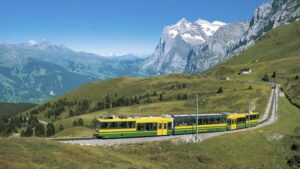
[[110, 127]]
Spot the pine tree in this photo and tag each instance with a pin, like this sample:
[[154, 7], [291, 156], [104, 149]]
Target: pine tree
[[265, 78], [39, 130], [80, 122], [185, 97], [71, 113], [50, 129], [274, 75], [107, 102], [161, 97], [296, 77], [220, 90], [75, 123], [154, 93], [178, 97], [28, 132]]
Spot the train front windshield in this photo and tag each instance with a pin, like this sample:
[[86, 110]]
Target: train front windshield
[[98, 125]]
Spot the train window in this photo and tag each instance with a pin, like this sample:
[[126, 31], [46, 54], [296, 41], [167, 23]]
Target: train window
[[165, 125], [229, 122], [148, 126], [130, 125], [103, 125], [154, 126], [140, 126], [169, 125], [159, 126], [241, 120]]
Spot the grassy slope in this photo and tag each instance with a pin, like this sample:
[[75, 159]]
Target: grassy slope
[[252, 149], [229, 100], [277, 51]]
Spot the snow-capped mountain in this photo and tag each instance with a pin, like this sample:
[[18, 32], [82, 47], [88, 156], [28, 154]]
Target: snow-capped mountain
[[266, 17], [184, 45], [188, 47], [209, 28]]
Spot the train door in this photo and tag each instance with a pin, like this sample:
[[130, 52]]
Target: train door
[[231, 124], [162, 128]]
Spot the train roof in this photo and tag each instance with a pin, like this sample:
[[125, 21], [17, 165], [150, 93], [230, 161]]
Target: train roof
[[212, 114]]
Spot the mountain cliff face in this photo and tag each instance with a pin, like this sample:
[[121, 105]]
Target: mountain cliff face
[[37, 71], [194, 47], [215, 49], [177, 44], [266, 17]]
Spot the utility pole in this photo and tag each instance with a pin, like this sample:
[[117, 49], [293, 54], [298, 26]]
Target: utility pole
[[249, 111], [197, 138]]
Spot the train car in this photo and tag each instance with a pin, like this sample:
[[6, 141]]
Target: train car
[[125, 127], [242, 120], [117, 127], [186, 124]]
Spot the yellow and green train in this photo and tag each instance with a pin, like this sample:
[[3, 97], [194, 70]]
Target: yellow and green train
[[126, 127]]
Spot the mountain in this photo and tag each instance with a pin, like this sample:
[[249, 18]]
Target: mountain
[[266, 17], [185, 46], [36, 71], [194, 47]]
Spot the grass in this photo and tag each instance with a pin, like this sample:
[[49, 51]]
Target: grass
[[251, 149]]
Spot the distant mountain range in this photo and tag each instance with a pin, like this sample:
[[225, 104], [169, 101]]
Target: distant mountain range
[[36, 71]]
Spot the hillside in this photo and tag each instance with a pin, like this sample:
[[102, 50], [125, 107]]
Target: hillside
[[268, 147], [277, 51], [169, 94], [11, 109]]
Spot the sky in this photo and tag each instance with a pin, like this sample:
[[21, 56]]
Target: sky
[[110, 27]]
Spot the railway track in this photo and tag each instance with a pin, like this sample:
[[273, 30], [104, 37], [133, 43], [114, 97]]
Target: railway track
[[268, 118]]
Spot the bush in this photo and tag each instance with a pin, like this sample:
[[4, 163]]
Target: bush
[[250, 87], [75, 123], [80, 122], [220, 90]]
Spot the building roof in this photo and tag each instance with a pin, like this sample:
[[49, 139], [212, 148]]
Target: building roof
[[245, 69]]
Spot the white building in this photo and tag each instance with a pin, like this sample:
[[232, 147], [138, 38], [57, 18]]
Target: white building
[[246, 71]]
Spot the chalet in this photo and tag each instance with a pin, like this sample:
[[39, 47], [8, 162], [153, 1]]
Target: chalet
[[246, 71]]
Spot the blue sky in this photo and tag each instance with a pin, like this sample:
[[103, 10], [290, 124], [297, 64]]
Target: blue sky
[[110, 26]]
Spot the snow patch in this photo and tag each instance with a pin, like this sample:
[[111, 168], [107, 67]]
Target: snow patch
[[173, 33], [52, 93], [32, 42]]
